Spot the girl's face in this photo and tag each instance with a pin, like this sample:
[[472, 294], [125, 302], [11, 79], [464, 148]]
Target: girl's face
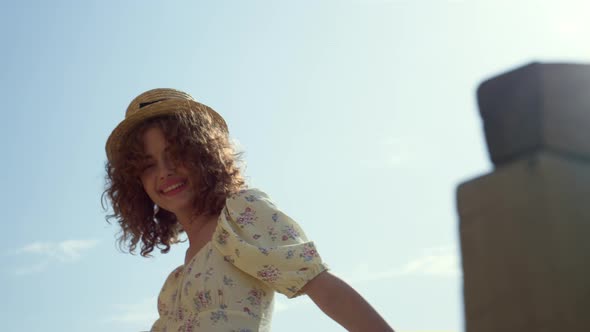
[[166, 181]]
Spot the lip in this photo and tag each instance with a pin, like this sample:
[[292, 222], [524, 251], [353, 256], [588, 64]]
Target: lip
[[171, 182]]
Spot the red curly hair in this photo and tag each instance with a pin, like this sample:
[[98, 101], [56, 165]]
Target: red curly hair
[[203, 148]]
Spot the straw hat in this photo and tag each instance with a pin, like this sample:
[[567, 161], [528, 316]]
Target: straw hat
[[155, 103]]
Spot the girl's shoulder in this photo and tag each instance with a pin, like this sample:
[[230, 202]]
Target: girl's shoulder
[[263, 241], [250, 195], [250, 207]]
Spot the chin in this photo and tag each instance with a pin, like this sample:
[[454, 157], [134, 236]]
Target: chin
[[180, 207]]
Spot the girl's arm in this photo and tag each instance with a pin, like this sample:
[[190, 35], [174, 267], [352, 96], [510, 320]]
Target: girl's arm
[[344, 305]]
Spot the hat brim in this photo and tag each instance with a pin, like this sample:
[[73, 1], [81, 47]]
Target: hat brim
[[159, 109]]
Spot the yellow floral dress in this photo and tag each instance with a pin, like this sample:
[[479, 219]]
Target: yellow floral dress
[[229, 284]]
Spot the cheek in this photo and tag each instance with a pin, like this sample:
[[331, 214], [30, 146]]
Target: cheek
[[145, 184], [143, 180], [191, 174]]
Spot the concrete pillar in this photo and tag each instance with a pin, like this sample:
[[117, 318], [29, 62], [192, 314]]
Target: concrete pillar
[[525, 227]]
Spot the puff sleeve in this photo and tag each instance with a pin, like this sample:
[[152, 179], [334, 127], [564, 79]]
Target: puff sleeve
[[259, 239]]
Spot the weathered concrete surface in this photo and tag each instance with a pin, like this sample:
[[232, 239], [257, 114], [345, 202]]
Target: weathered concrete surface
[[536, 107], [525, 242]]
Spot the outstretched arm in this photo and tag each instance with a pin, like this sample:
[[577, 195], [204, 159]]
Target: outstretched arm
[[344, 305]]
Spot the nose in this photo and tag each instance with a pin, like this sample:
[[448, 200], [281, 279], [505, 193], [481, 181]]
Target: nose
[[167, 167]]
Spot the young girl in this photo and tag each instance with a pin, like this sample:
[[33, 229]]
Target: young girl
[[171, 169]]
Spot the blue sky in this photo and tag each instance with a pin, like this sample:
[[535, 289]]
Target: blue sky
[[358, 117]]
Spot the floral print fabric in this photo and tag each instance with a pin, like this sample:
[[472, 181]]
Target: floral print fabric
[[229, 284]]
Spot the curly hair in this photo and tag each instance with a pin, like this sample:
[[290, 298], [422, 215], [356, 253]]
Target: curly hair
[[200, 146]]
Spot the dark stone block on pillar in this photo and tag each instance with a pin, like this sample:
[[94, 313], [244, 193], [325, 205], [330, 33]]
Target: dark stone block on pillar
[[538, 106]]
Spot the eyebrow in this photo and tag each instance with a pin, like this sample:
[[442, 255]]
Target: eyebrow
[[148, 155]]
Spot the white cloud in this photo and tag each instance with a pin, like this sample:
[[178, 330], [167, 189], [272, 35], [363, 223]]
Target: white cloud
[[434, 262], [283, 303], [439, 262], [64, 252], [141, 314], [442, 262], [71, 249]]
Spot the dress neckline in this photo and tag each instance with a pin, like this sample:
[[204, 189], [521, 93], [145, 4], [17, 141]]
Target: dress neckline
[[208, 243], [191, 261]]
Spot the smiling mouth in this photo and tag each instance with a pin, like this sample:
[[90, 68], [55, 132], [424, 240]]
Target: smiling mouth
[[174, 188]]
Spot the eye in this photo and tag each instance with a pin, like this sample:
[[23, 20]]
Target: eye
[[146, 166]]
